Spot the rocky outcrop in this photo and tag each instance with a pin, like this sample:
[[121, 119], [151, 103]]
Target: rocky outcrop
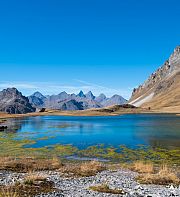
[[13, 102], [154, 92]]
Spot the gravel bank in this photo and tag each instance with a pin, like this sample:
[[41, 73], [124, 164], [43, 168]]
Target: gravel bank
[[79, 187]]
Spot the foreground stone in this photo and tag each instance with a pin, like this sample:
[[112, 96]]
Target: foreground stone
[[76, 187]]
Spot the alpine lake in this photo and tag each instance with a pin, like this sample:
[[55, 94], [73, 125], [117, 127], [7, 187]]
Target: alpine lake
[[124, 138]]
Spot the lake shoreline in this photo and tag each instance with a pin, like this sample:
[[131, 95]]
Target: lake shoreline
[[85, 113]]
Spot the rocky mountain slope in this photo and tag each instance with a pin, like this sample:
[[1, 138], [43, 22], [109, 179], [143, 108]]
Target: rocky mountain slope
[[13, 102], [81, 101], [162, 89]]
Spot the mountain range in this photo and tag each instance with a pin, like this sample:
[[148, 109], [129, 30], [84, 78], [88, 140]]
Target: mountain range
[[12, 101], [161, 91], [81, 101]]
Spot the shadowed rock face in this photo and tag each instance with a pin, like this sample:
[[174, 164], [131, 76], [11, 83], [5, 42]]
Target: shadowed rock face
[[72, 105], [13, 102], [163, 82], [81, 101]]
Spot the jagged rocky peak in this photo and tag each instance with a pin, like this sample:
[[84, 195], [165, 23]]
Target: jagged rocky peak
[[38, 95], [169, 68], [63, 95], [90, 95], [162, 89], [11, 92], [102, 97], [81, 94], [12, 101], [175, 57]]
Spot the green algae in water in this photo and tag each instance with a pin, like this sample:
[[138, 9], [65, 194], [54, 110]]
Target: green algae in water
[[10, 146]]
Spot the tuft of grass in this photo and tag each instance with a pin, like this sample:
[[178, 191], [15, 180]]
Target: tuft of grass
[[143, 167], [34, 177], [91, 168], [26, 164], [84, 169], [56, 162], [164, 176], [104, 188], [8, 193]]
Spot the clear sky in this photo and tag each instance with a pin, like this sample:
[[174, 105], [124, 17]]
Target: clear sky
[[105, 46]]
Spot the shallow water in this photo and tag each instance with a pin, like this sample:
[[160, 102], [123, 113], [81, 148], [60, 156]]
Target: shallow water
[[155, 130]]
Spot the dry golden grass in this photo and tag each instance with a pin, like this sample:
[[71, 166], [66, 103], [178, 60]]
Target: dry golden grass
[[8, 193], [85, 169], [34, 177], [104, 188], [91, 167], [143, 167], [24, 164], [167, 100], [164, 176], [28, 189], [56, 162]]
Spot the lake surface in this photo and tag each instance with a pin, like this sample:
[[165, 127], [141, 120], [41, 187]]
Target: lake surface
[[130, 130]]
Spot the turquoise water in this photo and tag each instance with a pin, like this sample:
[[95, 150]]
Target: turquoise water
[[130, 130]]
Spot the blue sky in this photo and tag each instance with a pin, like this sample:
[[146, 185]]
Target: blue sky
[[105, 46]]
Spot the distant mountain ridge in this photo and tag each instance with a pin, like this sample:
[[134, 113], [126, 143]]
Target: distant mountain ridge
[[81, 101], [162, 88]]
